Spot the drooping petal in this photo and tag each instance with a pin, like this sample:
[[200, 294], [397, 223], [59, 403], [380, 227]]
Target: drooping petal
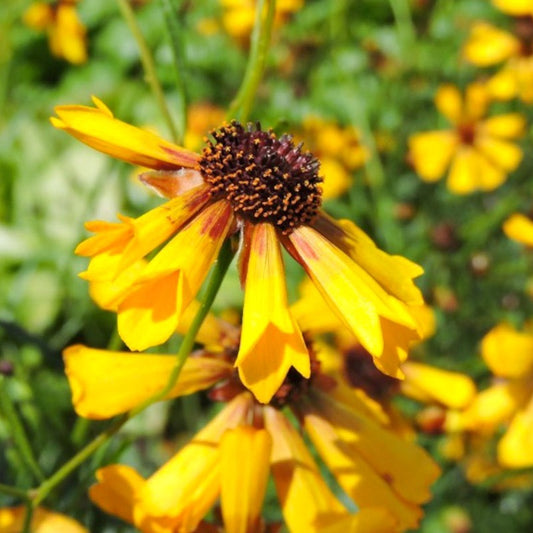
[[271, 342], [116, 490], [519, 228], [427, 383], [43, 521], [150, 313], [305, 498], [181, 492], [105, 383], [172, 183], [245, 467], [508, 352], [488, 45], [449, 102], [97, 127], [431, 152]]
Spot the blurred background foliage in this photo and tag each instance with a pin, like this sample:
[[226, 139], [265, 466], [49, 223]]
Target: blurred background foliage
[[366, 64]]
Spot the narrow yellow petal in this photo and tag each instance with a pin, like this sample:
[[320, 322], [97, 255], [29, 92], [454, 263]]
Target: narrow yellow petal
[[508, 352], [452, 389], [101, 131], [43, 521], [449, 102], [431, 152], [504, 85], [105, 383], [519, 228], [116, 490], [503, 154], [515, 449], [271, 341], [488, 45], [69, 35], [245, 467], [507, 126]]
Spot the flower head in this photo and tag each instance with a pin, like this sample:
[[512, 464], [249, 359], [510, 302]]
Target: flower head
[[263, 191], [478, 152], [66, 34]]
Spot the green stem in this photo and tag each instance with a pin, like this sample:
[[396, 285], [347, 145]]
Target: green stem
[[26, 527], [405, 27], [217, 275], [175, 32], [242, 104], [14, 491], [148, 63], [22, 444]]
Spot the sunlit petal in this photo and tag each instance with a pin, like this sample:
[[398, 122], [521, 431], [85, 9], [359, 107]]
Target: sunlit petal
[[488, 45], [519, 228], [431, 152]]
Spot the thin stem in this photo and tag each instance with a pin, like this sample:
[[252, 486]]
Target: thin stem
[[405, 27], [175, 32], [217, 275], [242, 104], [18, 434], [14, 491], [148, 63], [26, 527]]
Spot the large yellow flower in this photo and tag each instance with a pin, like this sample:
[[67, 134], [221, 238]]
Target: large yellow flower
[[66, 34], [375, 467], [509, 355], [43, 521], [264, 191], [478, 152]]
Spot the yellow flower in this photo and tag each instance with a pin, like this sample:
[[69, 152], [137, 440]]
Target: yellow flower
[[265, 192], [43, 521], [66, 34], [239, 15], [488, 45], [339, 150], [519, 228], [509, 355], [374, 466], [478, 152]]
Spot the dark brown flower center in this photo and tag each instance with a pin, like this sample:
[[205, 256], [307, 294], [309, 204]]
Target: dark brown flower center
[[265, 179]]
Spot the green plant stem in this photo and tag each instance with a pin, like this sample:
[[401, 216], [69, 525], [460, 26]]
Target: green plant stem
[[18, 433], [242, 104], [148, 63], [406, 29], [217, 275], [14, 491], [26, 527], [175, 32]]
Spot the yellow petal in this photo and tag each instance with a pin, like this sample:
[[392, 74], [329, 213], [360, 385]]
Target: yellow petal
[[271, 341], [105, 383], [516, 8], [515, 449], [96, 127], [519, 228], [507, 126], [150, 313], [449, 102], [488, 45], [369, 520], [476, 102], [116, 490], [431, 153], [303, 494], [244, 468], [452, 389], [502, 154], [38, 16], [337, 180], [43, 521], [67, 38], [182, 491], [508, 352], [504, 84]]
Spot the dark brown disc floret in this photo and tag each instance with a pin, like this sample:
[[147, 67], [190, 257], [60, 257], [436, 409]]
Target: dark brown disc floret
[[265, 178]]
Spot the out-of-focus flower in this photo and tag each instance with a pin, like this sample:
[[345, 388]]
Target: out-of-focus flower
[[519, 228], [239, 15], [266, 192], [339, 150], [66, 34], [478, 152], [201, 117], [43, 521], [386, 476], [509, 401], [488, 45]]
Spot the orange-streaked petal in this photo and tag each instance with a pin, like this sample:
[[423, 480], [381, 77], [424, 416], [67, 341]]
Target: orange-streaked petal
[[244, 468], [431, 152], [97, 127], [488, 45], [172, 183], [449, 102], [271, 341], [304, 496], [43, 521], [150, 313], [116, 490], [182, 491], [427, 383], [520, 228], [105, 383], [508, 352]]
